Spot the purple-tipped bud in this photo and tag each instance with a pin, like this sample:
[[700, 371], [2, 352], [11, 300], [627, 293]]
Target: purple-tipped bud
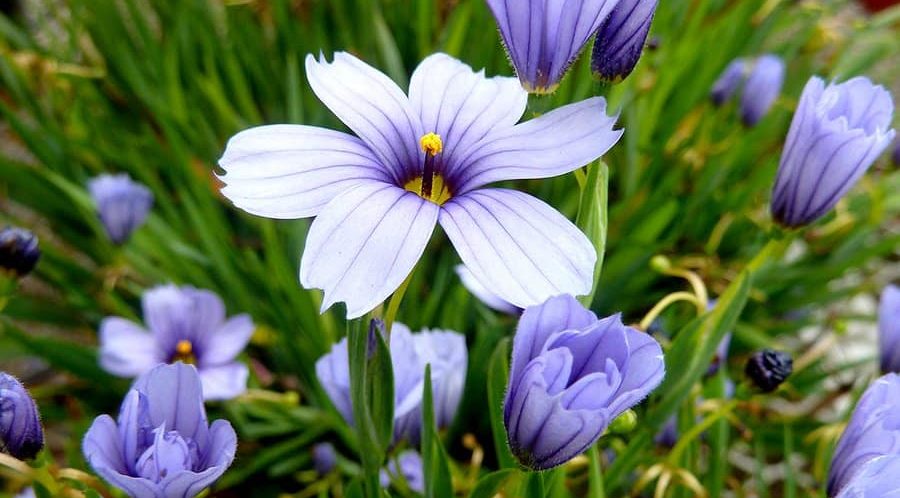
[[873, 432], [768, 369], [122, 204], [620, 39], [762, 89], [889, 329], [324, 457], [543, 38], [837, 133], [729, 81], [19, 251], [21, 434], [571, 375]]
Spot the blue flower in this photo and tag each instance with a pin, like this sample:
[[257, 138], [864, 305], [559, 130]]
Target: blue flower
[[729, 81], [889, 329], [162, 445], [621, 38], [762, 89], [19, 251], [185, 324], [122, 204], [324, 457], [21, 434], [878, 478]]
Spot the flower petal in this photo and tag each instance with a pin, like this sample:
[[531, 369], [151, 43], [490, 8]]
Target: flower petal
[[889, 328], [222, 445], [175, 397], [374, 107], [181, 313], [482, 293], [103, 453], [333, 372], [225, 343], [558, 142], [126, 348], [519, 246], [364, 243], [224, 381], [292, 171]]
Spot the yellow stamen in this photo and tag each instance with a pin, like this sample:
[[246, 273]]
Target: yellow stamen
[[439, 191], [431, 143], [184, 352]]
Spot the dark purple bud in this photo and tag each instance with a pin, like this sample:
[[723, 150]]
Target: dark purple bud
[[122, 204], [762, 89], [571, 375], [620, 39], [19, 251], [837, 132], [729, 81], [768, 369], [21, 434], [324, 457], [889, 329]]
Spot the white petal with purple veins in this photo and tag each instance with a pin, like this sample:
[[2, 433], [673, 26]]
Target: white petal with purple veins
[[126, 348]]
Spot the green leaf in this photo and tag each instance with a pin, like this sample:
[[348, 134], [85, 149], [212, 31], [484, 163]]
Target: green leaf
[[371, 451], [380, 378], [498, 377], [592, 217], [438, 483], [492, 484]]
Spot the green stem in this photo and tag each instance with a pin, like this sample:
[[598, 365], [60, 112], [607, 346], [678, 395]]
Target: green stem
[[596, 488], [394, 303], [675, 454]]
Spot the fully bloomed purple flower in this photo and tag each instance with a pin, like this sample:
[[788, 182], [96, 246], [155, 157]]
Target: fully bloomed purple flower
[[162, 445], [762, 89], [122, 204], [873, 432], [889, 329], [484, 294], [837, 133], [185, 324], [420, 160], [571, 375], [878, 478], [444, 350], [21, 434], [620, 39], [729, 81], [543, 38]]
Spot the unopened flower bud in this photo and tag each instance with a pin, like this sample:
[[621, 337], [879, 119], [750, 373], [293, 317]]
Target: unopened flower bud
[[19, 251], [768, 369]]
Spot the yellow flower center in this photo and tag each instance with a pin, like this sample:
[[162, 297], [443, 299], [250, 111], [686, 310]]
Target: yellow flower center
[[430, 186], [184, 352], [431, 143], [439, 193]]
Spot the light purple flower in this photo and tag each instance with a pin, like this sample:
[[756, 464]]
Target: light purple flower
[[837, 133], [185, 324], [410, 468], [762, 89], [21, 434], [543, 38], [729, 81], [571, 375], [26, 493], [420, 160], [445, 351], [873, 431], [162, 445], [878, 478], [484, 294], [621, 38], [122, 204], [889, 329], [324, 457]]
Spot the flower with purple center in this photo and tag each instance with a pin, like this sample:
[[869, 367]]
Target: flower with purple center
[[571, 375], [185, 324], [837, 132], [889, 329], [544, 37], [417, 161], [762, 88], [21, 434], [873, 432], [621, 38], [122, 204], [729, 81], [162, 445], [445, 351], [878, 478], [484, 294]]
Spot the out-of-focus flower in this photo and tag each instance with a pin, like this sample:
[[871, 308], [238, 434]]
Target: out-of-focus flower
[[837, 133], [876, 479], [21, 434], [768, 369], [122, 204], [620, 39], [762, 88], [420, 160], [544, 38], [26, 493], [729, 81], [721, 356], [895, 156], [668, 434], [571, 375], [873, 432], [324, 457], [162, 445], [185, 324], [410, 468], [483, 294], [444, 350], [19, 251], [889, 329]]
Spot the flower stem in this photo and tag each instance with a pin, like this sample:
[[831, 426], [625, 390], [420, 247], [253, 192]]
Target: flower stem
[[394, 303], [664, 303]]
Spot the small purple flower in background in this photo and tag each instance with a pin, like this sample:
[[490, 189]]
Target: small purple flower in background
[[444, 350], [889, 329], [483, 294], [162, 445], [873, 432], [668, 434], [762, 88], [543, 38], [420, 160], [19, 251], [26, 493], [410, 469], [876, 479], [571, 375], [729, 81], [324, 457], [122, 204], [620, 39], [837, 133], [185, 324], [21, 434]]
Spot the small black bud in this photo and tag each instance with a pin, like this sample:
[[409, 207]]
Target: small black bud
[[18, 250], [768, 369]]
